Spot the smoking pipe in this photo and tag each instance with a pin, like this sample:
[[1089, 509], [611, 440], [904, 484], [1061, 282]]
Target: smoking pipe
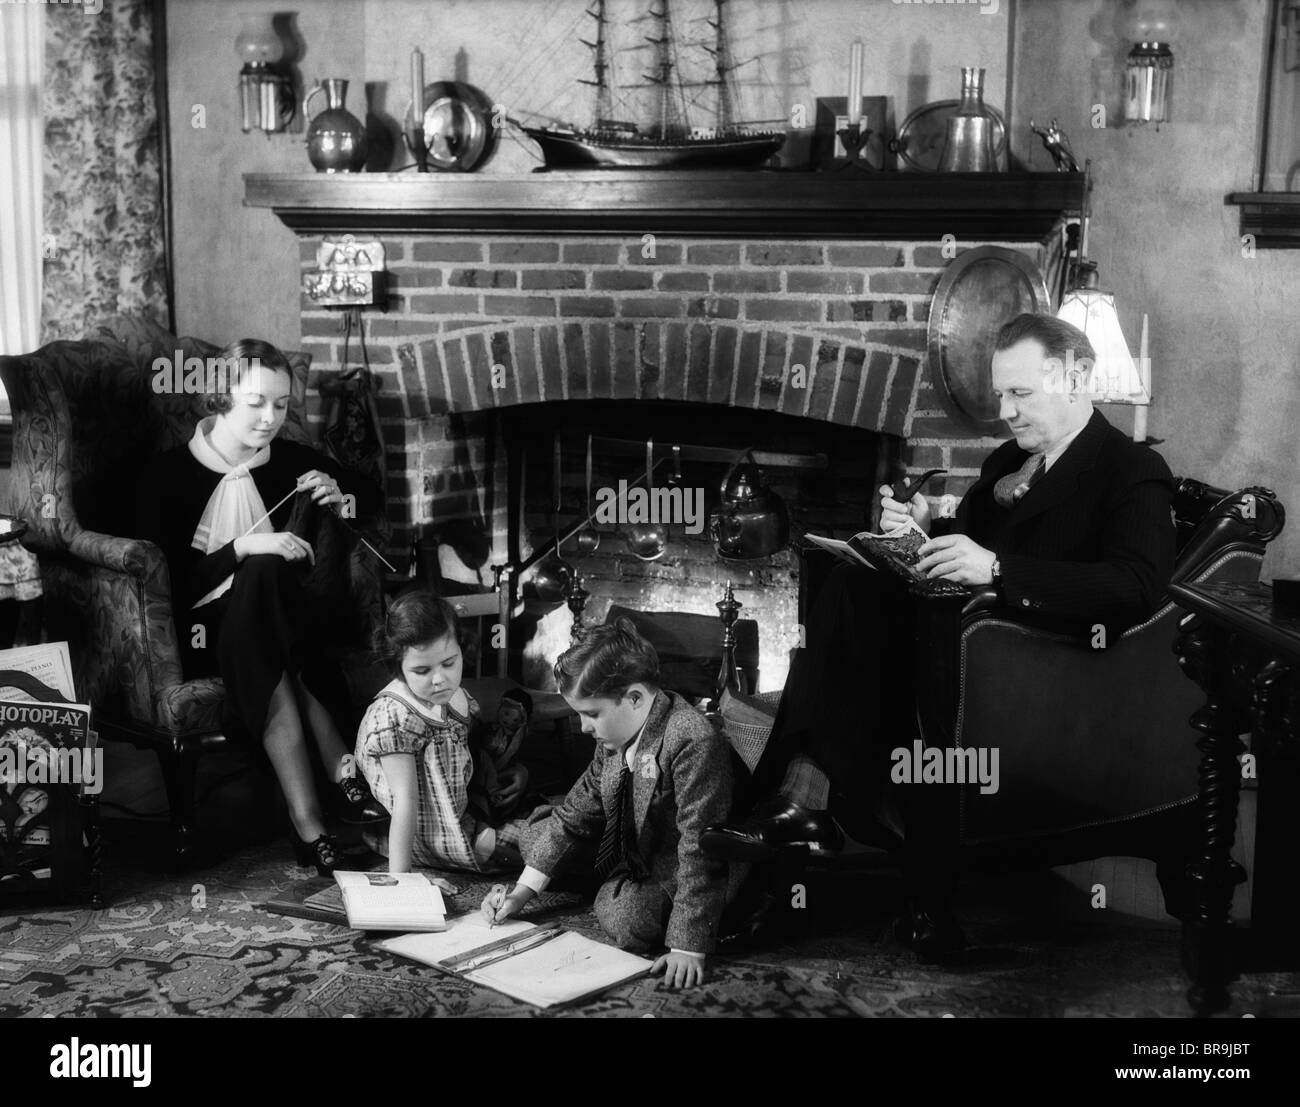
[[912, 487]]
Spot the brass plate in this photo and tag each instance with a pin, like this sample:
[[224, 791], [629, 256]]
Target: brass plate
[[922, 136], [981, 290]]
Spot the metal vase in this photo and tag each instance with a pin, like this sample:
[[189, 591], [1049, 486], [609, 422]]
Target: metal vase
[[969, 144], [336, 139]]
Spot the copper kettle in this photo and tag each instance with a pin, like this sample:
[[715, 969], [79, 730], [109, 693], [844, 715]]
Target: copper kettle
[[752, 520]]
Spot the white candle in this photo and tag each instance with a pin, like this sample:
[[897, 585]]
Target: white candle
[[417, 88], [1144, 375], [855, 82]]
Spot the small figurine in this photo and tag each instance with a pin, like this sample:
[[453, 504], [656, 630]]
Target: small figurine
[[1058, 145]]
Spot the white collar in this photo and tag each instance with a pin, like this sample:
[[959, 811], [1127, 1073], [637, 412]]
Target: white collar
[[629, 751], [205, 453]]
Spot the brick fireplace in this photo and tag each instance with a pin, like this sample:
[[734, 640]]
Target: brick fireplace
[[493, 341]]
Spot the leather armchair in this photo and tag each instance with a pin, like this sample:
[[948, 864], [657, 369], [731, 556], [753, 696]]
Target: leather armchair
[[86, 419], [1095, 750]]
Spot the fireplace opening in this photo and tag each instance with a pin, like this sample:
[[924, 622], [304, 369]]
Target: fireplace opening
[[824, 474]]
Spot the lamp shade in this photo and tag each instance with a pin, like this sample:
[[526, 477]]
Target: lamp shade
[[1114, 378], [257, 42]]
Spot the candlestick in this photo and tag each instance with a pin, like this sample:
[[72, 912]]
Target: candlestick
[[856, 54], [417, 88], [1144, 377], [418, 145]]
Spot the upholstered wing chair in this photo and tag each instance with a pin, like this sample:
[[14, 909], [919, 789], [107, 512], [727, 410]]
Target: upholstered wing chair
[[86, 419], [1096, 754]]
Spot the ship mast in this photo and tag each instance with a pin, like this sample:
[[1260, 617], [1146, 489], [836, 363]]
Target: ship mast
[[722, 63], [671, 121], [604, 100]]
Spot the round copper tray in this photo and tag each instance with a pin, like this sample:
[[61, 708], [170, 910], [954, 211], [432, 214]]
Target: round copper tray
[[458, 126], [921, 137], [980, 290]]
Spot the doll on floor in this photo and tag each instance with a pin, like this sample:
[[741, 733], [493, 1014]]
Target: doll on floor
[[498, 748]]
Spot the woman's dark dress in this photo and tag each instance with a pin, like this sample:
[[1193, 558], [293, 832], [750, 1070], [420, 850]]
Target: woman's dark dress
[[262, 626]]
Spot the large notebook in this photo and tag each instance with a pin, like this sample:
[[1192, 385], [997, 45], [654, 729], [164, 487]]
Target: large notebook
[[546, 966]]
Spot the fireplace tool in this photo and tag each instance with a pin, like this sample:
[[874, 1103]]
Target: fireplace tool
[[648, 541], [588, 540], [554, 573]]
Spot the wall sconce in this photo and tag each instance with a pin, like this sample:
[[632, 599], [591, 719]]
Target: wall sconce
[[1149, 70], [1147, 76], [266, 96]]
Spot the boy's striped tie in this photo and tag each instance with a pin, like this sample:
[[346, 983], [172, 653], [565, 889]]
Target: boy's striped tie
[[610, 852]]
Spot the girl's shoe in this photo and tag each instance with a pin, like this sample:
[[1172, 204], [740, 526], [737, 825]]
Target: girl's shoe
[[359, 805], [322, 853]]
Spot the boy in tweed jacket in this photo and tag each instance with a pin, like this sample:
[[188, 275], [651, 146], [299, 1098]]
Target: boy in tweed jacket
[[659, 776]]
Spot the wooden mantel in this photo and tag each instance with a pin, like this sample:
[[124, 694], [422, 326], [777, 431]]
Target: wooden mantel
[[988, 207]]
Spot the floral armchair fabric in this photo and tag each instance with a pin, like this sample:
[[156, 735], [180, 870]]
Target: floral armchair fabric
[[86, 419]]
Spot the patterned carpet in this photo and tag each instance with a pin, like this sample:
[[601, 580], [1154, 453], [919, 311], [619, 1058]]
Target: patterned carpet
[[200, 946]]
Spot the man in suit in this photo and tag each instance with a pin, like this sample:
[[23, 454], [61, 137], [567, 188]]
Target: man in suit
[[659, 775], [1069, 521]]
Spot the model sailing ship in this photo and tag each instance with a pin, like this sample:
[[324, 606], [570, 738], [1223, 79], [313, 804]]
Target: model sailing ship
[[670, 142]]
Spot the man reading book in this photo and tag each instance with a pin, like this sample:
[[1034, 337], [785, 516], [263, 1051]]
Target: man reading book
[[1069, 520]]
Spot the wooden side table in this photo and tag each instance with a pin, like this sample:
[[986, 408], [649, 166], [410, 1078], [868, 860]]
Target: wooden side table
[[1246, 657]]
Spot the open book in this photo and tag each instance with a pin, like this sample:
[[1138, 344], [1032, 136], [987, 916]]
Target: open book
[[542, 965], [895, 552], [392, 901]]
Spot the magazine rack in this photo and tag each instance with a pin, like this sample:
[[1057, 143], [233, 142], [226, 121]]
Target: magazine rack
[[49, 831]]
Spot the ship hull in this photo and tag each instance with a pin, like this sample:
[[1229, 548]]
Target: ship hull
[[573, 150]]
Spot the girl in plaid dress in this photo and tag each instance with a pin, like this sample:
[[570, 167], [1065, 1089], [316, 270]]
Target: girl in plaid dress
[[414, 748]]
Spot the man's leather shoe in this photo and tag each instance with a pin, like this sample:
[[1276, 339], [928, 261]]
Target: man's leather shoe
[[775, 824], [931, 932]]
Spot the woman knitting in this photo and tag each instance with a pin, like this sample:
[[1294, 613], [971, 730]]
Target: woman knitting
[[219, 508]]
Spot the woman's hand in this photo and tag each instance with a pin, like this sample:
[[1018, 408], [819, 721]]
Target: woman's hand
[[324, 488], [895, 514], [681, 970], [512, 781], [285, 545]]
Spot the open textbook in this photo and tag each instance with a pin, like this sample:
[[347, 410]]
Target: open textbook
[[391, 901], [542, 965], [895, 552]]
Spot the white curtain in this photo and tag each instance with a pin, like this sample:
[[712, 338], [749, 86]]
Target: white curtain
[[22, 63]]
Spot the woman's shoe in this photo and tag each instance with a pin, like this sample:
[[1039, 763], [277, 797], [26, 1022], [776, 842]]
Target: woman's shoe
[[359, 805], [322, 853]]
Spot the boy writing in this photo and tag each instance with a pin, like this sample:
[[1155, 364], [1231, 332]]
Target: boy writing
[[659, 776]]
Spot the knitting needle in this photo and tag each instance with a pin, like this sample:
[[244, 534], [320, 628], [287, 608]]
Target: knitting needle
[[360, 538], [263, 519]]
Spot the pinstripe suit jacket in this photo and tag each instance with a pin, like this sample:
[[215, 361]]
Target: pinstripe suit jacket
[[682, 782], [1092, 541]]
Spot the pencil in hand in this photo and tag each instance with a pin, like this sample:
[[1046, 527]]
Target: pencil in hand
[[493, 902]]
